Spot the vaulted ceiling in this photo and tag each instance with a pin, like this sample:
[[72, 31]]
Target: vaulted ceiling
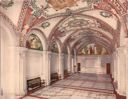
[[74, 23]]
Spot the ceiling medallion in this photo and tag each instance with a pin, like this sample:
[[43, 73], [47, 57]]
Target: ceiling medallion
[[105, 14], [6, 3], [45, 25]]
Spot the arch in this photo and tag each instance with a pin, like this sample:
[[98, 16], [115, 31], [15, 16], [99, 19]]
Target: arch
[[109, 28], [54, 47], [9, 58], [40, 35], [93, 33], [58, 42], [69, 49]]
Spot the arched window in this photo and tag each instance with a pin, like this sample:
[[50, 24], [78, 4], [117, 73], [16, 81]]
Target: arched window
[[34, 42]]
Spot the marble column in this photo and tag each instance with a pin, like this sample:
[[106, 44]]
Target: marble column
[[21, 71], [115, 66], [61, 68], [126, 53], [121, 72], [46, 66], [75, 58], [112, 66], [69, 63], [73, 64]]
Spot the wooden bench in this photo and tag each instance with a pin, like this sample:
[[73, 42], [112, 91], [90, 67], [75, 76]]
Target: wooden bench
[[34, 84], [54, 77]]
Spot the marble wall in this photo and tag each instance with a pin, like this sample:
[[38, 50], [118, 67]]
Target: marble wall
[[54, 62], [34, 63], [65, 61], [94, 64]]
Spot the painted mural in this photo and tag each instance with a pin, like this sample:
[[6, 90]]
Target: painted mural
[[93, 49], [6, 3], [34, 42], [60, 4], [54, 48]]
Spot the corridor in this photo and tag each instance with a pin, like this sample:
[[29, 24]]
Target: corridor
[[78, 86]]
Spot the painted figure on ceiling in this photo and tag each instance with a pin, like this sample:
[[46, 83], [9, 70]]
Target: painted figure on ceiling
[[60, 4]]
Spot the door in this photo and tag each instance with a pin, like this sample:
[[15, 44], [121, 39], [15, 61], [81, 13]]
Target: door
[[78, 67], [108, 69]]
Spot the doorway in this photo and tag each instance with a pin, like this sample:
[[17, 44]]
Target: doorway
[[78, 67], [108, 68]]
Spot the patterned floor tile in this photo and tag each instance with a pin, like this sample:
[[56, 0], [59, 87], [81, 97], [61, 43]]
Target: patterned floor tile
[[70, 88]]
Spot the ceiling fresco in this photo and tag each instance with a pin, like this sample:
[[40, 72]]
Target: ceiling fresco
[[59, 7], [61, 4], [6, 3], [80, 26], [70, 21]]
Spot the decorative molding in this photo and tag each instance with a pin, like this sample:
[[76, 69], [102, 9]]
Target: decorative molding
[[118, 7], [50, 6], [22, 14], [45, 25], [9, 21]]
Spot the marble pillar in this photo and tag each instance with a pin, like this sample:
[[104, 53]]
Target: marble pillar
[[112, 66], [46, 66], [69, 63], [21, 72], [121, 71], [61, 68], [126, 74], [115, 66], [73, 64]]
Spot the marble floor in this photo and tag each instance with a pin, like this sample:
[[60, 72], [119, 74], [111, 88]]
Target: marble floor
[[78, 86]]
